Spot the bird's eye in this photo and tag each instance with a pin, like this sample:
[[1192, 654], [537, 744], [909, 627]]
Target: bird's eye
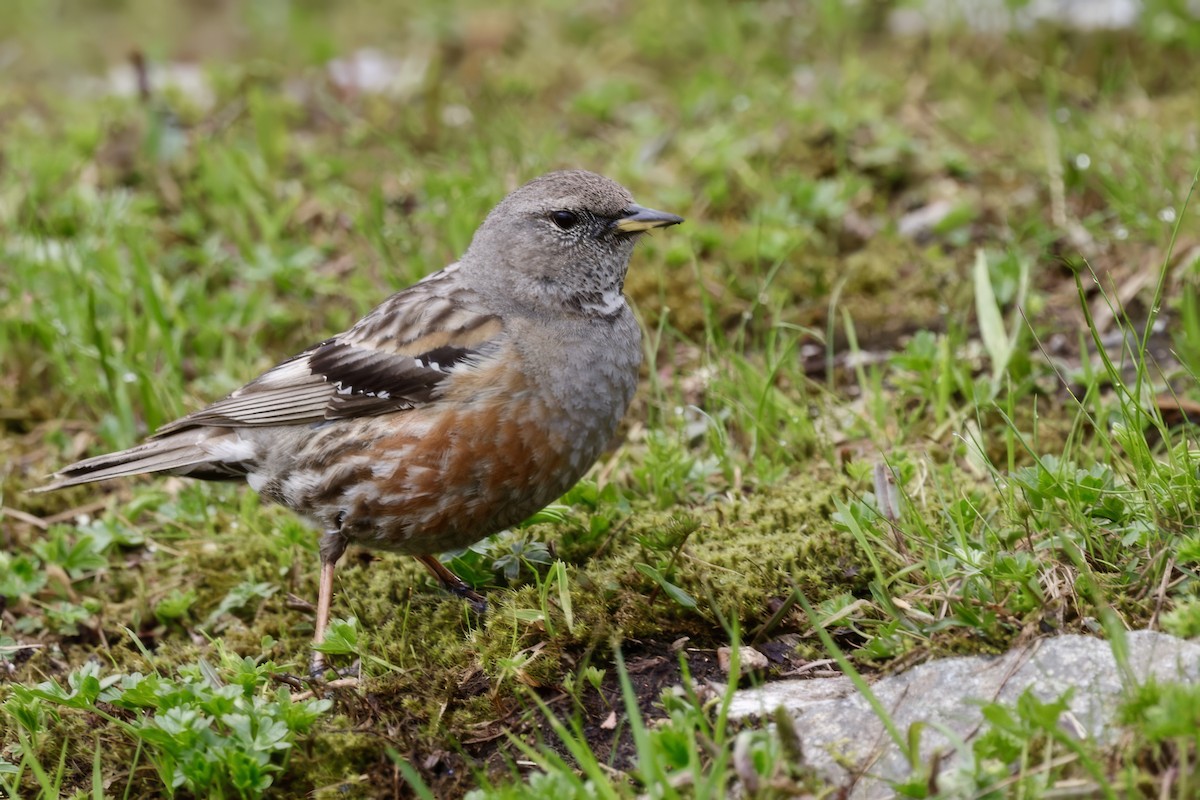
[[565, 219]]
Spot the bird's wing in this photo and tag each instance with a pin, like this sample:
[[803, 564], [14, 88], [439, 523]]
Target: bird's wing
[[395, 358]]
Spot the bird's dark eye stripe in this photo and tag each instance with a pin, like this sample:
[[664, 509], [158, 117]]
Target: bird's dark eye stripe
[[564, 219]]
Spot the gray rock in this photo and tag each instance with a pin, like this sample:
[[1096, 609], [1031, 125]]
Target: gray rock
[[997, 16], [837, 725]]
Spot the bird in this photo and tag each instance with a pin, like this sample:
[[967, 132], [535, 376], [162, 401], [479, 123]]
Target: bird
[[453, 410]]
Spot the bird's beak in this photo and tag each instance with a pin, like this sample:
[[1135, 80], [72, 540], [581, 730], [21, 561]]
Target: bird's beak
[[637, 219]]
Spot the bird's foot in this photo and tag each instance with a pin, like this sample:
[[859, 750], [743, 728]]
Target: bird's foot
[[477, 601], [317, 670], [316, 667], [454, 584]]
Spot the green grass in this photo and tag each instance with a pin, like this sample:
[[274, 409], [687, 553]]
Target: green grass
[[990, 375]]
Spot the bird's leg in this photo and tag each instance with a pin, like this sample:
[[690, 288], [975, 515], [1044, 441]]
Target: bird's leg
[[453, 583], [332, 547]]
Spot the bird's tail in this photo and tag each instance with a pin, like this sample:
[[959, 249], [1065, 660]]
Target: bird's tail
[[195, 452]]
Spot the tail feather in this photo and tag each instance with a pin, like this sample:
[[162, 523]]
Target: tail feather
[[187, 452]]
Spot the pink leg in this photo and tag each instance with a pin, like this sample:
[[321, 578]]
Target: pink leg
[[331, 551]]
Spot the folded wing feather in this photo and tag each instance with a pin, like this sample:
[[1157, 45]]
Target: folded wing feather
[[396, 358]]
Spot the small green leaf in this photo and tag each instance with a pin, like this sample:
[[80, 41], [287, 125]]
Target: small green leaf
[[674, 592], [564, 594], [991, 324]]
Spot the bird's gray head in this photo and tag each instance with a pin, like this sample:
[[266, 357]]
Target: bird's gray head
[[563, 241]]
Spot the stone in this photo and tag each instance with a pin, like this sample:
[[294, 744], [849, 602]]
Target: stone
[[750, 660], [838, 726]]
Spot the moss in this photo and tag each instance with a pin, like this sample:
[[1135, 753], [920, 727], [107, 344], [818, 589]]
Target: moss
[[889, 286], [746, 552], [331, 760]]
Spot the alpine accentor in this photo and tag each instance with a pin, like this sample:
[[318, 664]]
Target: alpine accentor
[[458, 407]]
